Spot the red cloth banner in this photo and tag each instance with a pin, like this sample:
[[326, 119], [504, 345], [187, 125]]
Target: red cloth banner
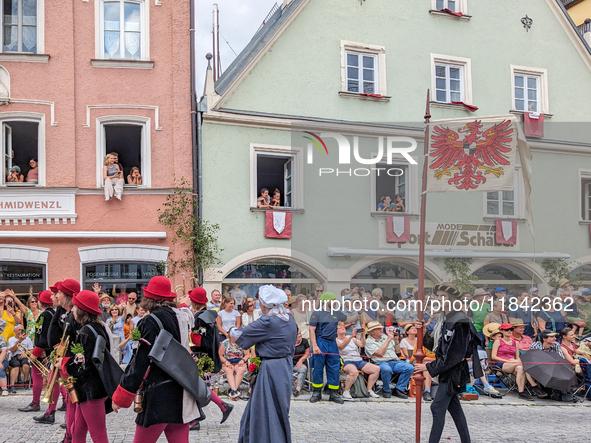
[[449, 11], [533, 125], [398, 229], [278, 224], [467, 106], [506, 232]]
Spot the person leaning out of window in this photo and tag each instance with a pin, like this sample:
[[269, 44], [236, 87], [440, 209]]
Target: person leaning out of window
[[113, 177], [134, 177], [15, 175]]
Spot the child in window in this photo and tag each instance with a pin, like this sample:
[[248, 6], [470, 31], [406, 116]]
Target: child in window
[[15, 175], [276, 200], [385, 204], [134, 177], [33, 174], [399, 206], [264, 201]]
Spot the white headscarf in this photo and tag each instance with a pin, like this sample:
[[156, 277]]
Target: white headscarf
[[273, 298]]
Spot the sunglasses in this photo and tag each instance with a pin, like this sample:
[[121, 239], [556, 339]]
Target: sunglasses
[[33, 301]]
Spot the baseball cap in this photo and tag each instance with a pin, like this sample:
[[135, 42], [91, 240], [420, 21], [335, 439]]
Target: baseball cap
[[534, 289], [547, 333], [406, 295], [500, 289], [15, 169]]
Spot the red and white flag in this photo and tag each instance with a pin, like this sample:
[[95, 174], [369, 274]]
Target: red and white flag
[[506, 232], [398, 229], [278, 224]]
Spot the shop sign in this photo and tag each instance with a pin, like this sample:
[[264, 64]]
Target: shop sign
[[42, 205]]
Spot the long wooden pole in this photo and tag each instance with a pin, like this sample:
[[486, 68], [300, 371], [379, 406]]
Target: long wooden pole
[[420, 355]]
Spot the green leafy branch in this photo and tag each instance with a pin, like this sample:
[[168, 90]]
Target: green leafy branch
[[557, 269], [461, 275]]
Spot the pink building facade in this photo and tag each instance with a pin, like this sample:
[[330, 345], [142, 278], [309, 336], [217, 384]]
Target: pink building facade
[[80, 79]]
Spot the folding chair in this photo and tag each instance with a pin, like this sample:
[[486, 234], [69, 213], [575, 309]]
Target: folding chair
[[585, 386]]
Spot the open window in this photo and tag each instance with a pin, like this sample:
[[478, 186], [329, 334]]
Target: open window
[[586, 196], [275, 172], [393, 181], [129, 138], [20, 148]]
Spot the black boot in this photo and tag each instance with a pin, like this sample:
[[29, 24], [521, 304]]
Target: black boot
[[33, 407], [194, 426], [316, 396], [63, 407], [226, 413], [47, 419], [336, 397]]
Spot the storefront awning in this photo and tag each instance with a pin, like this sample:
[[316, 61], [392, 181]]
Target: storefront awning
[[458, 253]]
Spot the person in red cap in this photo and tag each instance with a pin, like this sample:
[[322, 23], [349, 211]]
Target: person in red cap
[[63, 320], [89, 412], [166, 406], [205, 341], [45, 304]]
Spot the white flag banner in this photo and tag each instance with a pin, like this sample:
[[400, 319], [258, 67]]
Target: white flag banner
[[507, 229], [279, 221], [398, 226], [472, 155]]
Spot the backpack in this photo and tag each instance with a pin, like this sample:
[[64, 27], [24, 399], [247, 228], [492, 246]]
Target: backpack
[[359, 389]]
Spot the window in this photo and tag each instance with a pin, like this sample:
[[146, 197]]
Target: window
[[363, 70], [122, 30], [529, 89], [362, 73], [20, 147], [446, 4], [506, 204], [586, 196], [129, 137], [128, 277], [451, 79], [460, 7], [23, 278], [22, 26], [277, 168], [393, 180], [449, 83]]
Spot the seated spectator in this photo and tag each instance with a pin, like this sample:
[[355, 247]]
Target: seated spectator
[[584, 307], [3, 359], [33, 174], [572, 351], [478, 315], [113, 177], [250, 313], [134, 177], [573, 316], [399, 205], [301, 315], [585, 347], [496, 315], [14, 175], [408, 346], [384, 351], [550, 319], [353, 363], [385, 204], [408, 315], [228, 317], [276, 200], [300, 362], [264, 201], [18, 360], [524, 341], [547, 343], [234, 360], [521, 314], [505, 354]]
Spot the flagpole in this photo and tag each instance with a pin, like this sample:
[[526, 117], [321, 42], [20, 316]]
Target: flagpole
[[419, 355]]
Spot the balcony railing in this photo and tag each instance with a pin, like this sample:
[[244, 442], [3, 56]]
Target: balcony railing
[[585, 27]]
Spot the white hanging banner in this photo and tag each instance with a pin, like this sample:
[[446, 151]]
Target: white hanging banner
[[279, 221], [507, 227], [398, 226]]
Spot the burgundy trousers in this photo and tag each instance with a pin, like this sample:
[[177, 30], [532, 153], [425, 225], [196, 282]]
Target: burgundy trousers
[[175, 433], [90, 417], [37, 379]]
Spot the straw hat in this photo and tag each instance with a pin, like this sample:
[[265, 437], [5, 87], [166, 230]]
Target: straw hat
[[517, 323], [563, 281], [488, 329], [373, 325]]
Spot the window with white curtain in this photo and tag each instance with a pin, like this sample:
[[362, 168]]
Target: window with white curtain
[[122, 29], [19, 26]]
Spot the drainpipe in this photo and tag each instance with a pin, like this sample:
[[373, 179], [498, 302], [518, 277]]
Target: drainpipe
[[195, 123]]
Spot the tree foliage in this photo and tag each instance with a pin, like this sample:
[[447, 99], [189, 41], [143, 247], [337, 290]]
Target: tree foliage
[[556, 269], [459, 269], [197, 238]]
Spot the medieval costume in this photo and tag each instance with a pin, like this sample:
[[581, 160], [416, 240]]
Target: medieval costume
[[456, 341], [90, 410], [167, 407], [266, 417]]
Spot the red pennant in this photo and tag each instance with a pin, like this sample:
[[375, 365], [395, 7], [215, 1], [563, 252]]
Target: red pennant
[[391, 236], [533, 127], [271, 231], [501, 238]]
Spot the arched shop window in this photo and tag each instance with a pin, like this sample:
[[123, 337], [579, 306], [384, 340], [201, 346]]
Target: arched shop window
[[506, 275], [394, 278], [249, 277], [23, 278], [583, 273], [125, 277]]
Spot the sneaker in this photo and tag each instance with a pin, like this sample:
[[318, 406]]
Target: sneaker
[[427, 396], [491, 390], [386, 394], [578, 368], [372, 394], [316, 396], [399, 394], [347, 396], [107, 199], [228, 409], [539, 392], [234, 394], [525, 395], [336, 397], [118, 197], [4, 393], [12, 390]]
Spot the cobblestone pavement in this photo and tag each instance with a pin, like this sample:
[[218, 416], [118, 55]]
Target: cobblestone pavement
[[491, 421]]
